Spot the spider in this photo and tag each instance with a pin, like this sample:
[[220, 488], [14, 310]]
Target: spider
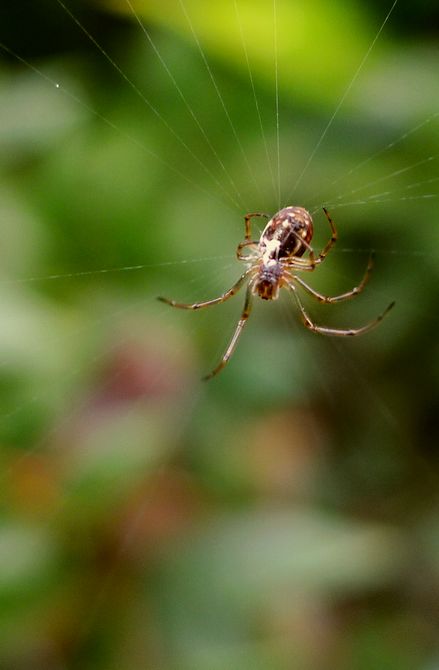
[[273, 263]]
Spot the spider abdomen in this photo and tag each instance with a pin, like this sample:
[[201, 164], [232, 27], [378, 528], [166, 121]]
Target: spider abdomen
[[282, 236]]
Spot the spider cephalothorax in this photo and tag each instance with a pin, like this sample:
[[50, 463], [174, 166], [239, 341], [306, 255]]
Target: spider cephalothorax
[[273, 262]]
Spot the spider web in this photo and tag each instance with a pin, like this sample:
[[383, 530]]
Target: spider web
[[257, 177], [338, 201]]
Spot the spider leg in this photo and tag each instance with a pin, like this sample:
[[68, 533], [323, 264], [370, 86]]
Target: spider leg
[[247, 219], [337, 298], [322, 255], [303, 266], [231, 348], [309, 264], [222, 298], [350, 332], [249, 243], [306, 264]]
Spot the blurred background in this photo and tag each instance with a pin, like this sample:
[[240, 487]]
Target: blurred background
[[284, 515]]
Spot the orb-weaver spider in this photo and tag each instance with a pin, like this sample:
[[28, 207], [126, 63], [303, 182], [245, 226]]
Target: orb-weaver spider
[[273, 262]]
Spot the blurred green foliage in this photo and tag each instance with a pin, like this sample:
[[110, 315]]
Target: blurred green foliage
[[284, 515]]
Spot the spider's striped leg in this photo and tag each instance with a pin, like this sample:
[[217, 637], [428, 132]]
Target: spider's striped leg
[[247, 219], [326, 249], [243, 245], [297, 263], [348, 332], [294, 264], [231, 348], [322, 255], [337, 298], [307, 262], [222, 298]]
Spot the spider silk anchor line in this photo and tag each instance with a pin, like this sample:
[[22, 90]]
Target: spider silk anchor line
[[273, 262]]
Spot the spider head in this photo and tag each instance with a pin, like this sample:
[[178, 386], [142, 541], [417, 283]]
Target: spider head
[[266, 285]]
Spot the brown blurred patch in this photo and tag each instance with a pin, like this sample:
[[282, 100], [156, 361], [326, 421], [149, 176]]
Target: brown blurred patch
[[33, 487], [158, 512], [284, 452]]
